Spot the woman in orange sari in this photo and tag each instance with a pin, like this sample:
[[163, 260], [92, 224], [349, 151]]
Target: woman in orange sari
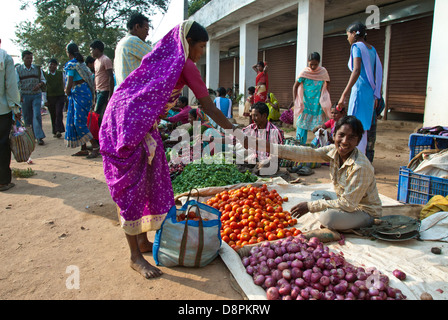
[[261, 82]]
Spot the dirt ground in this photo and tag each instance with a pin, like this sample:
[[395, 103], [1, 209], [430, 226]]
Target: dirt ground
[[64, 218]]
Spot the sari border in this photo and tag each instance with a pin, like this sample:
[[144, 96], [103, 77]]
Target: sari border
[[76, 143], [141, 225]]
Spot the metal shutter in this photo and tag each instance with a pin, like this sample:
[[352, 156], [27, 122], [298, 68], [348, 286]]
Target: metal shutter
[[409, 62], [226, 73], [335, 55], [282, 67]]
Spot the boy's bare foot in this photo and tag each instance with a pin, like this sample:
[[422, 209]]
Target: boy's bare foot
[[145, 268]]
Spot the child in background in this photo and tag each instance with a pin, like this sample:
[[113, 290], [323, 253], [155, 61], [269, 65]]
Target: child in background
[[224, 104], [274, 109], [324, 138], [287, 116], [336, 114], [229, 94], [249, 103]]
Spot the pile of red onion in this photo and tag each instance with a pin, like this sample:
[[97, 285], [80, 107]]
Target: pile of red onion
[[295, 268]]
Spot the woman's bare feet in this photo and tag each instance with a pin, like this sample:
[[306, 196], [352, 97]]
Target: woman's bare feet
[[138, 262], [145, 268]]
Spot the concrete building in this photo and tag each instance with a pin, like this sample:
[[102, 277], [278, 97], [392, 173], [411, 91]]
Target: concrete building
[[407, 35]]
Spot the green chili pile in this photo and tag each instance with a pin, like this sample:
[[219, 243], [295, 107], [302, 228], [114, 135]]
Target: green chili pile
[[203, 175]]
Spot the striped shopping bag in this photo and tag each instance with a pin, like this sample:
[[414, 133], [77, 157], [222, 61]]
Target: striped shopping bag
[[22, 142]]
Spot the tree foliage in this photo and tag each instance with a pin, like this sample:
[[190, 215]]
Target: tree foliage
[[105, 20], [195, 5]]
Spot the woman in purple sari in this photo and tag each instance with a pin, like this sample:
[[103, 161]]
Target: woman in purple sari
[[134, 161]]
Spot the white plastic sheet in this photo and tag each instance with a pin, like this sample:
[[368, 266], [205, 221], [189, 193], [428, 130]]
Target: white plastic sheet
[[426, 272], [435, 227]]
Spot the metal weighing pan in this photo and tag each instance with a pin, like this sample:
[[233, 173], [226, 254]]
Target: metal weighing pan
[[396, 228]]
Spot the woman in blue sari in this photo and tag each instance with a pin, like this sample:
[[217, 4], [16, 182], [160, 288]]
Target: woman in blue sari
[[79, 90]]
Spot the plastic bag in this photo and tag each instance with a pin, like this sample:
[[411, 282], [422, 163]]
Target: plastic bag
[[193, 242], [92, 124]]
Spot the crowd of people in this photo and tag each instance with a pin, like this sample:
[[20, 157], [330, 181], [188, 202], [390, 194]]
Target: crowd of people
[[312, 108], [351, 122], [142, 89]]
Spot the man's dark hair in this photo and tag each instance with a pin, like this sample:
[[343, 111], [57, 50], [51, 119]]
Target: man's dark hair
[[53, 61], [136, 18], [97, 44], [353, 122], [25, 53], [261, 107]]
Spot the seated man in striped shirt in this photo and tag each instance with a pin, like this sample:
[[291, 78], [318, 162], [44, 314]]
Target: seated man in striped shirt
[[132, 48], [265, 131]]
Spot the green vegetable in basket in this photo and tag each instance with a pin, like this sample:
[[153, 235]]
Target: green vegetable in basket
[[203, 175]]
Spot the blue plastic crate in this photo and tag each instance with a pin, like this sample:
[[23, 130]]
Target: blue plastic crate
[[419, 142], [417, 188]]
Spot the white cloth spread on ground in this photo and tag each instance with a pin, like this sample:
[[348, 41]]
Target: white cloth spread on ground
[[435, 227], [426, 272]]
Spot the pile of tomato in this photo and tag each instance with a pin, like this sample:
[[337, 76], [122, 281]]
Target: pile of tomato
[[251, 214]]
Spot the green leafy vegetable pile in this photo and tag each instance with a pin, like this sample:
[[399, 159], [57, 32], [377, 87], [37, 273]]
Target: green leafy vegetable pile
[[203, 175]]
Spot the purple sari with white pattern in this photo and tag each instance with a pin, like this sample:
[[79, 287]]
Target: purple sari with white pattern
[[135, 166]]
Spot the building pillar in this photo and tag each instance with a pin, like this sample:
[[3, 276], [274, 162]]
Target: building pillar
[[310, 31], [436, 111], [248, 57], [212, 64]]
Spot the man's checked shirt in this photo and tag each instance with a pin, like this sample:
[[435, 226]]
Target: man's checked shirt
[[128, 56], [354, 182]]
